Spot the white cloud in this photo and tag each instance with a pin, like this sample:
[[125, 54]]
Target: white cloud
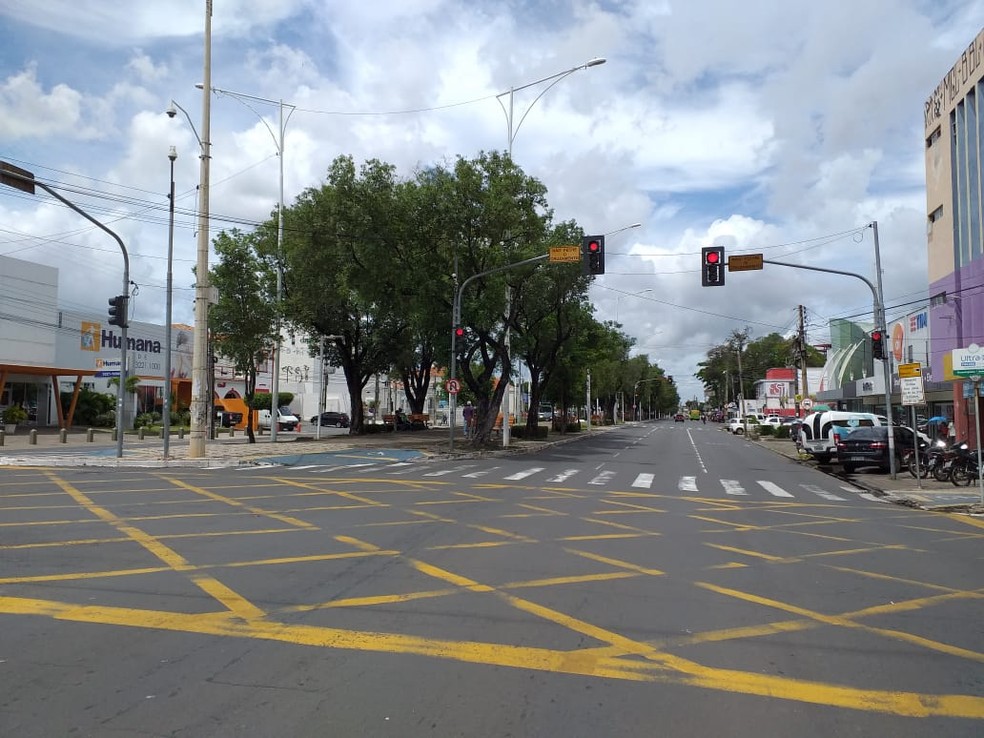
[[762, 124]]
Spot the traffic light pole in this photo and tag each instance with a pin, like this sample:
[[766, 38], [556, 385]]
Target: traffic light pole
[[879, 325], [456, 321], [23, 180]]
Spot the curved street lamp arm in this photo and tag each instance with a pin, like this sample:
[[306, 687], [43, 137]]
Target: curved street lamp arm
[[194, 130]]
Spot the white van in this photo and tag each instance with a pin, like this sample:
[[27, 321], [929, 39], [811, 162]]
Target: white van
[[818, 430], [286, 421]]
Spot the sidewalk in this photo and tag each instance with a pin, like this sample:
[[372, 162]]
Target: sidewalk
[[77, 450], [904, 489]]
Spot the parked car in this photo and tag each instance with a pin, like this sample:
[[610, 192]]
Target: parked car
[[819, 431], [737, 425], [774, 420], [869, 447], [337, 420], [286, 421]]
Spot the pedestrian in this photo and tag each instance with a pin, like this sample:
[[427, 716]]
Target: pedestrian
[[944, 431], [468, 412]]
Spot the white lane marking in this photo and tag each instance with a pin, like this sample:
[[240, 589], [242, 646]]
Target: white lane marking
[[604, 478], [821, 492], [306, 466], [733, 487], [564, 475], [699, 460], [687, 484], [525, 473], [644, 480], [773, 489], [846, 488], [480, 473]]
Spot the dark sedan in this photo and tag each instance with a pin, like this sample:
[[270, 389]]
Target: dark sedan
[[338, 420], [868, 446]]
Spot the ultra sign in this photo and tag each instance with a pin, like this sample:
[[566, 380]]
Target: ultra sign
[[968, 361]]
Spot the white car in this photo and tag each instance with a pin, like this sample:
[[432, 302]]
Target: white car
[[774, 420], [737, 425]]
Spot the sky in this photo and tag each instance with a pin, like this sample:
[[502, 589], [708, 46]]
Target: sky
[[777, 128]]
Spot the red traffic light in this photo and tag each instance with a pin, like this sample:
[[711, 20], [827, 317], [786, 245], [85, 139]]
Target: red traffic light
[[594, 246], [712, 257], [459, 332], [876, 335]]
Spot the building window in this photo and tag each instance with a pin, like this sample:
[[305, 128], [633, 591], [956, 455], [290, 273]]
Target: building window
[[933, 137], [936, 214]]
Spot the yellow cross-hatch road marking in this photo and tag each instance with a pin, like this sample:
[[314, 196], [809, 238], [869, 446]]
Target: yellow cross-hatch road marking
[[607, 654]]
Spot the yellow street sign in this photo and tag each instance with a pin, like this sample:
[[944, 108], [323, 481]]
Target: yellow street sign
[[744, 262], [565, 254], [910, 370]]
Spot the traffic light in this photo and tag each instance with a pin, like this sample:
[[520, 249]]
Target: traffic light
[[459, 332], [117, 310], [712, 266], [878, 345], [593, 254]]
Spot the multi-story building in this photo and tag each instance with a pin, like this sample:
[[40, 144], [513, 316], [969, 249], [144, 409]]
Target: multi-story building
[[954, 129]]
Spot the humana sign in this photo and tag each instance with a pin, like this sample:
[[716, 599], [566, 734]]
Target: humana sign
[[109, 339]]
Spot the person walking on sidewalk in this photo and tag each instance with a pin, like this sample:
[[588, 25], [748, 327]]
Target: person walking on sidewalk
[[468, 413]]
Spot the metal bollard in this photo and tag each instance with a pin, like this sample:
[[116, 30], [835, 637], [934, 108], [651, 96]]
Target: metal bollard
[[89, 435], [232, 433], [114, 433], [181, 433], [63, 435], [3, 435], [140, 433], [33, 440]]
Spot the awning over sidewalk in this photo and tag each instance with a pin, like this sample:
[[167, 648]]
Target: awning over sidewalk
[[54, 373]]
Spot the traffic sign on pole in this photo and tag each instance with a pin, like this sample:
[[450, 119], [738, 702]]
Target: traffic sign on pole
[[452, 386]]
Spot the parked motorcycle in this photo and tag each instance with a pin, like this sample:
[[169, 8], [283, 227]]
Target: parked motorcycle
[[931, 458], [965, 469], [943, 470]]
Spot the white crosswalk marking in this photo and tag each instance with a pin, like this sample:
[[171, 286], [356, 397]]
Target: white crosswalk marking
[[523, 474], [821, 492], [481, 473], [603, 478], [687, 484], [644, 480], [564, 475], [733, 487], [452, 470], [773, 489]]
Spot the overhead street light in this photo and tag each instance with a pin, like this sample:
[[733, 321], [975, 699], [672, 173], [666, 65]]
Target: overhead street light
[[511, 130], [278, 142]]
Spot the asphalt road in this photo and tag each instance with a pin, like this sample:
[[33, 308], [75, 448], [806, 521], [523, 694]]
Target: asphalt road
[[664, 579]]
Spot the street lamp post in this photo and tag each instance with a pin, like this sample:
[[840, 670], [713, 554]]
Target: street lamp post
[[278, 142], [512, 129], [172, 155]]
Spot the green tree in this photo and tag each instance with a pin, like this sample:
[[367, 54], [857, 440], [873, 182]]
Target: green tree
[[244, 320], [340, 277]]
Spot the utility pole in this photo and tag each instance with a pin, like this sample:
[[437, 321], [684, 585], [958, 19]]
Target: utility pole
[[804, 384]]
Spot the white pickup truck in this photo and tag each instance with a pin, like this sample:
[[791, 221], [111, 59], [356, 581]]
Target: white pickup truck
[[286, 420]]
